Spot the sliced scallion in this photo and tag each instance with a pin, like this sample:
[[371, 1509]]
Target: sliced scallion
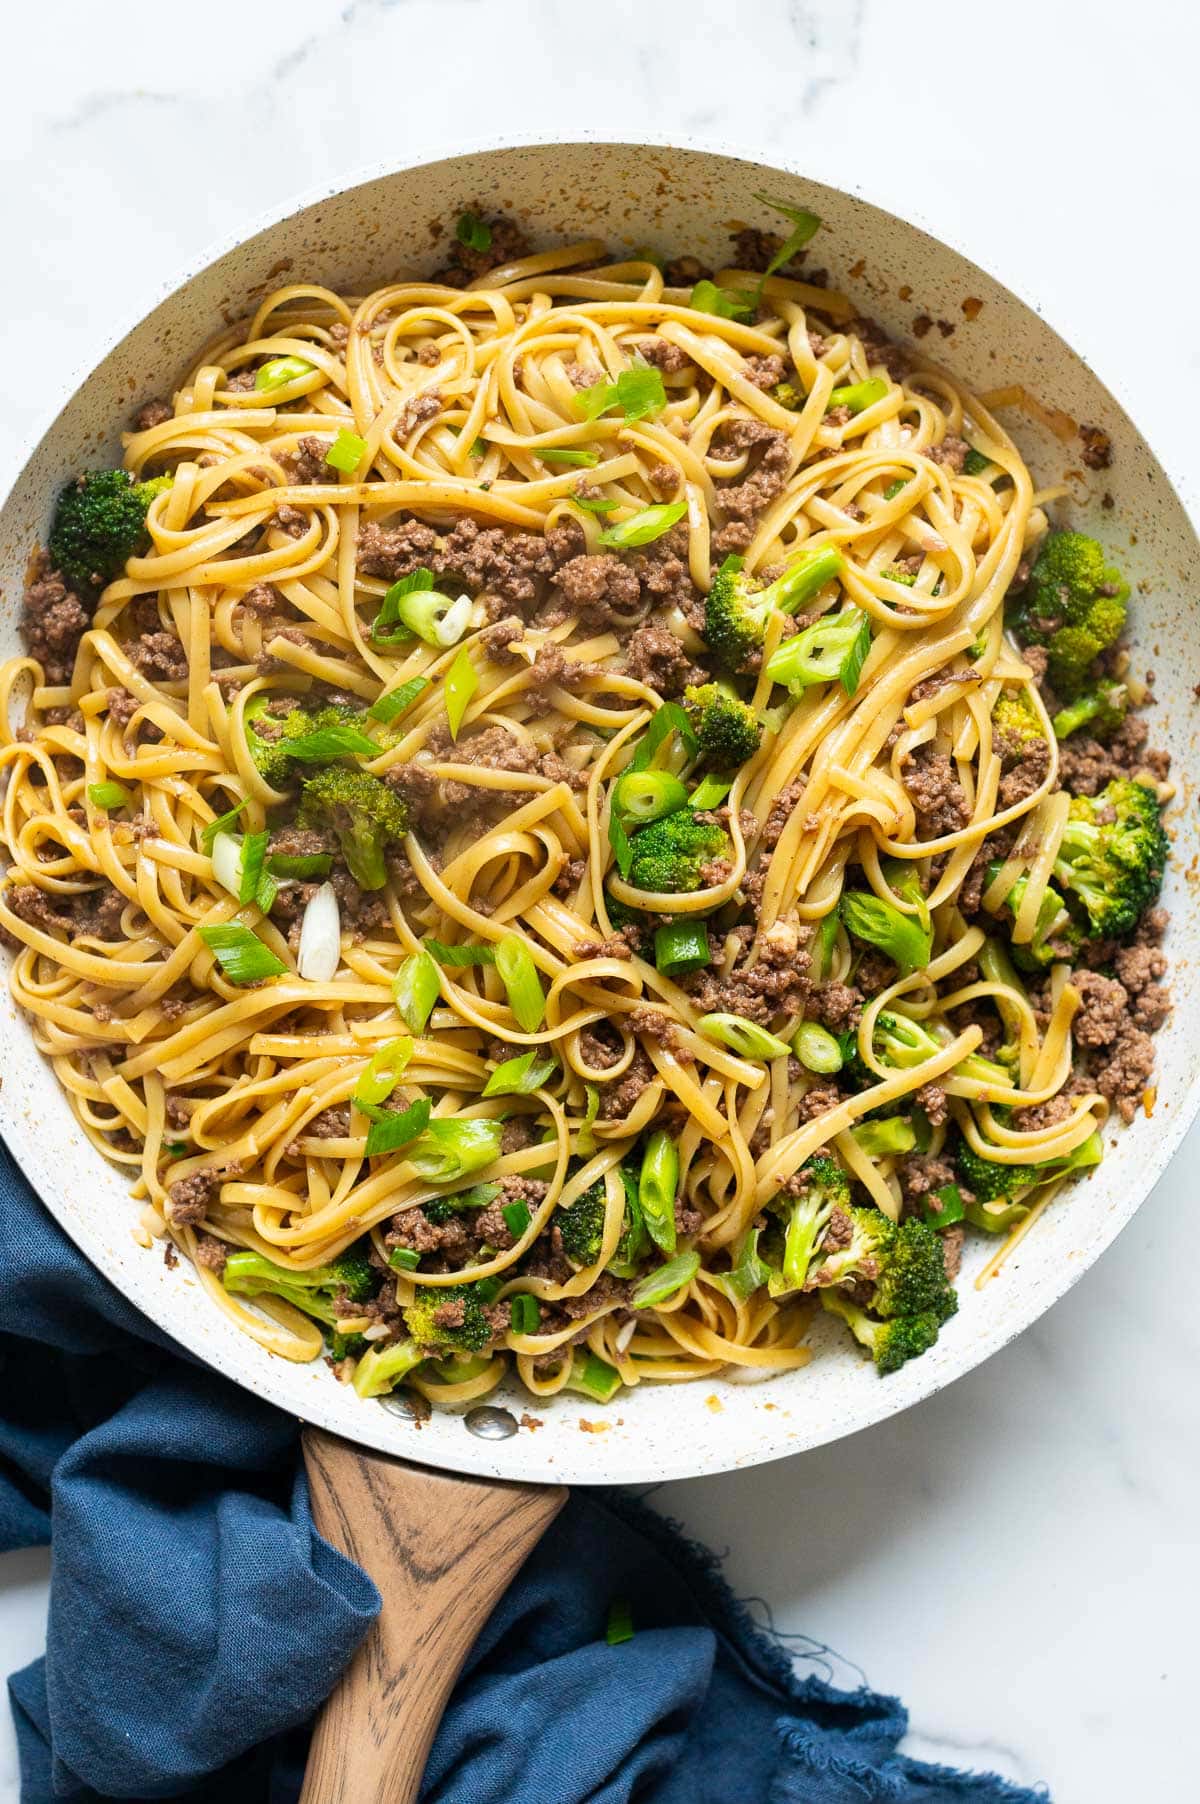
[[817, 1049], [415, 988], [346, 452], [519, 975], [660, 1286], [741, 1036]]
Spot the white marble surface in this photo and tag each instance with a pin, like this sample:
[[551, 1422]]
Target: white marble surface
[[1017, 1555]]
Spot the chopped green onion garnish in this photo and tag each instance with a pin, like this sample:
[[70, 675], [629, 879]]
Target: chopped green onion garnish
[[516, 1218], [346, 452], [827, 932], [567, 454], [681, 946], [657, 1184], [585, 1140], [451, 956], [641, 796], [836, 646], [404, 1259], [594, 1377], [804, 224], [868, 917], [302, 865], [448, 1150], [638, 391], [521, 1076], [523, 1312], [642, 528], [222, 824], [659, 1286], [415, 988], [894, 488], [596, 504], [281, 370], [383, 1072], [328, 743], [723, 303], [519, 975], [817, 1049], [396, 1128], [391, 706], [108, 795], [748, 1272], [975, 463], [942, 1208], [883, 1139], [710, 792], [742, 1036], [858, 395], [474, 232], [461, 683], [414, 606], [242, 956], [254, 853], [670, 718]]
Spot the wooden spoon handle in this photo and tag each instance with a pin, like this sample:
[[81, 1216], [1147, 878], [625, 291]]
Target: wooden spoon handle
[[442, 1551]]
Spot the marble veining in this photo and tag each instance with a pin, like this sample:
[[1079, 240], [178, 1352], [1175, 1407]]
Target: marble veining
[[1015, 1554]]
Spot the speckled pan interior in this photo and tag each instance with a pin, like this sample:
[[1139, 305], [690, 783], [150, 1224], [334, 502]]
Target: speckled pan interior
[[673, 199]]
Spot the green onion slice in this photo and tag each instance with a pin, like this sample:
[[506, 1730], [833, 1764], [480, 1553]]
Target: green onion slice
[[741, 1036], [462, 681], [723, 303], [346, 452], [303, 866], [254, 855], [383, 1072], [567, 454], [108, 795], [452, 956], [397, 701], [942, 1208], [328, 743], [834, 647], [404, 1259], [396, 1128], [222, 824], [596, 504], [242, 956], [519, 975], [670, 718], [281, 370], [516, 1217], [858, 396], [804, 225], [595, 1378], [415, 988], [657, 1185], [681, 946], [521, 1076], [817, 1049], [585, 1139], [710, 792], [644, 527], [523, 1312], [658, 1287], [642, 796], [474, 232], [448, 1150]]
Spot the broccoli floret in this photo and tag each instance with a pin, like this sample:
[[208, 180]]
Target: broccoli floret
[[727, 730], [365, 814], [913, 1280], [271, 750], [669, 854], [581, 1225], [826, 1187], [1101, 710], [789, 396], [892, 1343], [99, 523], [871, 1238], [736, 613], [996, 1186], [1015, 716], [313, 1291], [1055, 934], [464, 1327], [1073, 604], [1113, 854], [381, 1368]]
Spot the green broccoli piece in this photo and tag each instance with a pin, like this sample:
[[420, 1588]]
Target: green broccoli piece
[[465, 1327], [669, 854], [891, 1344], [1015, 716], [736, 613], [872, 1236], [271, 750], [365, 814], [381, 1368], [99, 523], [727, 730], [999, 1188], [581, 1225], [1073, 604], [1055, 934], [349, 1277], [1113, 854], [789, 396], [826, 1188], [913, 1280], [1101, 710]]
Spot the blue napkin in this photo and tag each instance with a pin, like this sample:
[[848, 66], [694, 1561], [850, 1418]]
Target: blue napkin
[[197, 1619]]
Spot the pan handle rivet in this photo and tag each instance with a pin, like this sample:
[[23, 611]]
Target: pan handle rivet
[[489, 1423], [408, 1404]]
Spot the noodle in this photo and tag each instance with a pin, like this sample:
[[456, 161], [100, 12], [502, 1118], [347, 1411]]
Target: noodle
[[230, 1104]]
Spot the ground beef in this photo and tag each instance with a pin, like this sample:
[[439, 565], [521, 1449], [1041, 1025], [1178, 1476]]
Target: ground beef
[[665, 356], [952, 1250], [936, 794], [330, 1124], [159, 656], [688, 1221], [1102, 1011], [731, 539], [1085, 765], [1126, 1071], [597, 585], [874, 972], [98, 912], [880, 349], [37, 908], [617, 1102], [299, 842], [932, 1098], [242, 383], [662, 570], [685, 272], [756, 992], [770, 451], [1029, 761], [839, 1232], [413, 1229], [211, 1253], [920, 1173], [152, 413], [414, 413], [817, 1101], [570, 877], [836, 1006], [506, 242], [1097, 450], [189, 1200], [395, 551], [781, 812], [498, 638], [53, 620], [617, 946], [505, 565], [1042, 1115], [654, 1024], [600, 1046], [764, 371], [951, 453], [122, 706], [656, 657], [306, 464]]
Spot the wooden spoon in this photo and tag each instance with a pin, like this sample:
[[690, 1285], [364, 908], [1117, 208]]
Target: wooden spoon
[[442, 1551]]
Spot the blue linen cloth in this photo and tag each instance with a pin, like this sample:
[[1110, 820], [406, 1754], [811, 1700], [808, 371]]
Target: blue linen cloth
[[197, 1619]]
